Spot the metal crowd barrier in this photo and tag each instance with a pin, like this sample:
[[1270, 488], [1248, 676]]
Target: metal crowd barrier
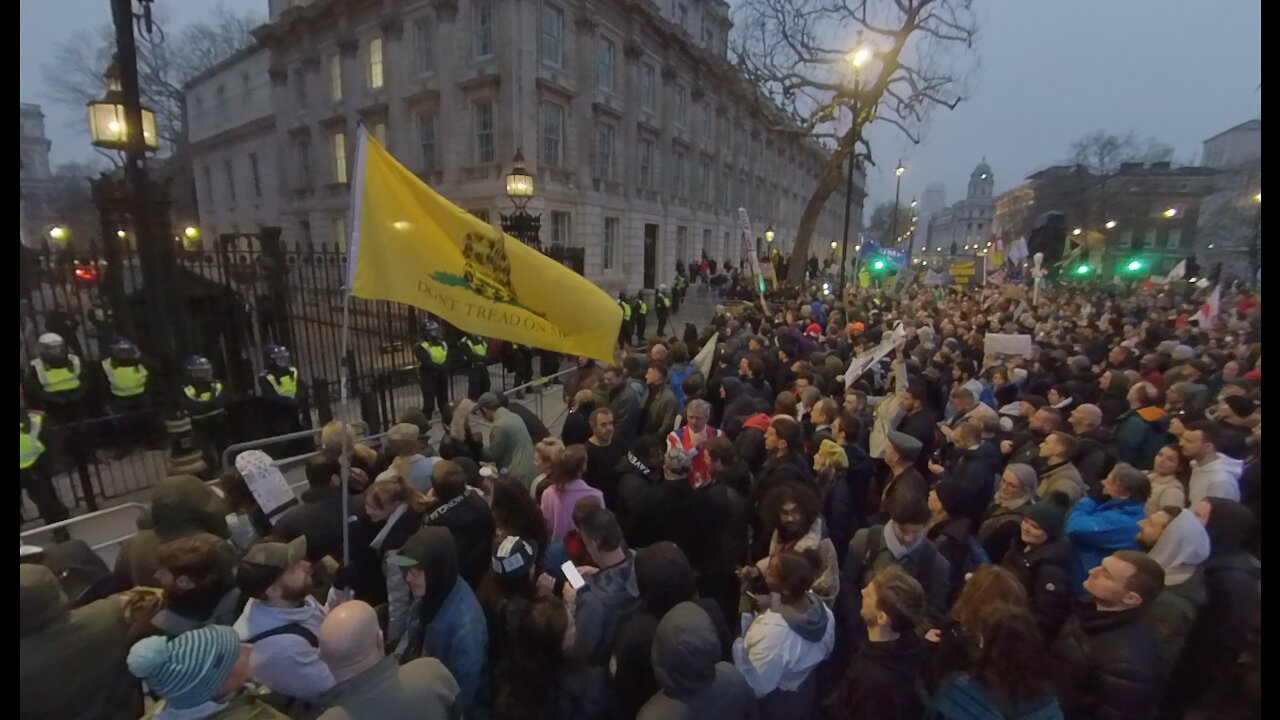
[[229, 454]]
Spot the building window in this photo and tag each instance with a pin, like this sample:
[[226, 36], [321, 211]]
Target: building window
[[609, 253], [559, 227], [704, 180], [379, 132], [606, 54], [744, 193], [426, 123], [646, 86], [646, 163], [482, 29], [302, 153], [682, 101], [374, 56], [299, 91], [706, 241], [552, 34], [208, 185], [335, 77], [552, 134], [708, 38], [728, 248], [677, 174], [1176, 239], [338, 142], [604, 151], [339, 230], [1125, 238], [706, 124], [422, 44], [229, 171], [682, 242], [255, 172], [482, 129], [725, 200]]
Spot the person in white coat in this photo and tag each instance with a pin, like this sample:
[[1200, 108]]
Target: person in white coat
[[781, 646], [1212, 473]]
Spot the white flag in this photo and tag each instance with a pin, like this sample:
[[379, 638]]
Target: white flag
[[1209, 310], [1178, 272], [703, 359]]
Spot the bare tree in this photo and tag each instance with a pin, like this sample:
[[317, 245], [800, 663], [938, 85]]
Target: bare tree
[[1102, 152], [881, 224], [165, 64], [799, 54]]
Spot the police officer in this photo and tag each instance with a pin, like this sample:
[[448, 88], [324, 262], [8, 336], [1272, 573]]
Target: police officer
[[520, 362], [432, 353], [639, 316], [283, 392], [677, 292], [475, 352], [55, 382], [624, 331], [33, 469], [662, 306], [126, 381], [205, 402]]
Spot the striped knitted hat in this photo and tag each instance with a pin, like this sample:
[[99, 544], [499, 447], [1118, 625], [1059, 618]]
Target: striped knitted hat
[[189, 669]]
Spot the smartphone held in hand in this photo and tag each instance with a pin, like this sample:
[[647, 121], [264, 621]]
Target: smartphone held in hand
[[572, 576]]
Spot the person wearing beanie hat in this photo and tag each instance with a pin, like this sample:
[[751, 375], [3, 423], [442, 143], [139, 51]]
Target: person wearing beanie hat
[[1041, 559], [196, 675], [1000, 522], [949, 528]]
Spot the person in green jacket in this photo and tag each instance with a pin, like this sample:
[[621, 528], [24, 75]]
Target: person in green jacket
[[199, 675], [72, 660], [510, 447]]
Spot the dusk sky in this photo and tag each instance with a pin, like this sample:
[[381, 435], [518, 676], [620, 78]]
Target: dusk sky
[[1176, 70]]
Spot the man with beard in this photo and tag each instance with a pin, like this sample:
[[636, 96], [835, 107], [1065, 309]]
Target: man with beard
[[281, 619], [197, 574], [919, 422], [1025, 447], [602, 454]]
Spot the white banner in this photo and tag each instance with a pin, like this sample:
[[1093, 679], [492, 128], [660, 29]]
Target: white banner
[[860, 364], [1003, 344]]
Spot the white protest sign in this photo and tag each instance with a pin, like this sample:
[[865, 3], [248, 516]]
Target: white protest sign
[[265, 482], [1005, 344], [862, 363], [745, 221]]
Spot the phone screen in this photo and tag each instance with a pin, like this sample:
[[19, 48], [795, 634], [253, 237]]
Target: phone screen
[[572, 576]]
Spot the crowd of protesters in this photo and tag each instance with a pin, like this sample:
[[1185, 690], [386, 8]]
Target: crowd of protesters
[[753, 531]]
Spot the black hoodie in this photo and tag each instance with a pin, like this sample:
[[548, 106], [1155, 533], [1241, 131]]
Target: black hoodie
[[882, 682], [635, 476], [694, 681]]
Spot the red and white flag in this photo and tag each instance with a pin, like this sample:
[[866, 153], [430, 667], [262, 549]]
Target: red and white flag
[[1209, 310]]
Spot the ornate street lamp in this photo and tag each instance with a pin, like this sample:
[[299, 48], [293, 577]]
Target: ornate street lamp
[[520, 224], [107, 126], [519, 183]]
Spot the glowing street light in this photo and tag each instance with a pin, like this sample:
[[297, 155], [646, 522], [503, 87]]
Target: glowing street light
[[1078, 231], [859, 57], [768, 234], [59, 234], [191, 232], [1110, 225], [1257, 197], [122, 234], [1170, 213], [833, 244], [899, 170]]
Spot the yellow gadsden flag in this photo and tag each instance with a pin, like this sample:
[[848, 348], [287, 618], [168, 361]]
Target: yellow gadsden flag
[[411, 245]]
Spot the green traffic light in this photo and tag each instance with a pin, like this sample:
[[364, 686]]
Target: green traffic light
[[1082, 270], [1134, 265], [878, 265]]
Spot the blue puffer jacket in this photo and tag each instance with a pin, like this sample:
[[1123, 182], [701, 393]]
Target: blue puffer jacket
[[1097, 530], [962, 698]]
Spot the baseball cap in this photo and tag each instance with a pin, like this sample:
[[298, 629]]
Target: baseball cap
[[278, 554], [403, 432], [513, 555]]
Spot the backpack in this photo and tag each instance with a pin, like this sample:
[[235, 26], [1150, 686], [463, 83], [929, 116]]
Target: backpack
[[292, 628], [873, 543]]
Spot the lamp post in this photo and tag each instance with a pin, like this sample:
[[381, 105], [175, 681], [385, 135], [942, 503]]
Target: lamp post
[[120, 122], [859, 57], [897, 195], [520, 224]]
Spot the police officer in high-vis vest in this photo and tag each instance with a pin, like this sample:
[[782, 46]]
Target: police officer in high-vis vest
[[475, 353], [204, 399], [662, 306], [127, 400], [624, 330], [432, 353], [33, 469], [639, 316], [283, 391], [56, 383]]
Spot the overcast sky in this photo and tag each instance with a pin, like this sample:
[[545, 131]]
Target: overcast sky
[[1051, 71]]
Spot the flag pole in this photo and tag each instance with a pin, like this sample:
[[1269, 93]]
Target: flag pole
[[353, 242]]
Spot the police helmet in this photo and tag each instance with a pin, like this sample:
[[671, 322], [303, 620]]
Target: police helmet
[[430, 328], [124, 349], [52, 345], [198, 367], [278, 354], [662, 287]]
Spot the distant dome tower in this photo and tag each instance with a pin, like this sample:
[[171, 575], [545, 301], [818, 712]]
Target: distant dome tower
[[981, 181]]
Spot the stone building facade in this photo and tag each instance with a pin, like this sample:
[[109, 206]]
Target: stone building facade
[[642, 139]]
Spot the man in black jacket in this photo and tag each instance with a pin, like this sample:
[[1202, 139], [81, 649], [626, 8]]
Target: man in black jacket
[[637, 470], [1025, 447], [784, 443], [1104, 657], [1097, 453], [920, 423], [463, 511], [976, 466]]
